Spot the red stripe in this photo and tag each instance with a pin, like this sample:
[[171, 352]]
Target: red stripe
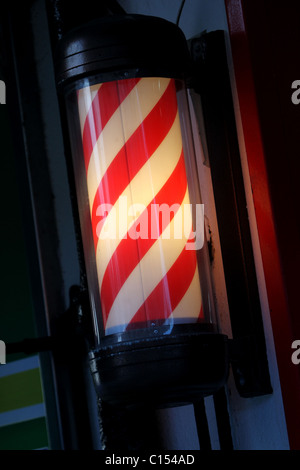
[[102, 108], [104, 104], [139, 147], [125, 87], [113, 183], [113, 274], [129, 252], [170, 290], [152, 131]]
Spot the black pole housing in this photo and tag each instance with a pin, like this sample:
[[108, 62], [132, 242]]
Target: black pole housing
[[116, 47]]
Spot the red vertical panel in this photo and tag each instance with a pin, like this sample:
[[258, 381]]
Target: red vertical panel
[[264, 38]]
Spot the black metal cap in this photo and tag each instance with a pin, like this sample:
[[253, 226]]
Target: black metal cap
[[117, 47], [169, 370]]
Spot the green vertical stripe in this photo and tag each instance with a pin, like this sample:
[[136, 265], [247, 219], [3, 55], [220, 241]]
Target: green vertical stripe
[[19, 390], [24, 436]]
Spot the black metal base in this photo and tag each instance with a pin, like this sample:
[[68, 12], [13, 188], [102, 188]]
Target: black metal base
[[169, 370]]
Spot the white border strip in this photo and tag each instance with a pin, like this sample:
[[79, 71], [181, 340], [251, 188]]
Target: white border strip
[[21, 365], [19, 415]]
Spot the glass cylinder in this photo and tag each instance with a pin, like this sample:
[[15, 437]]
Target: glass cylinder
[[137, 194]]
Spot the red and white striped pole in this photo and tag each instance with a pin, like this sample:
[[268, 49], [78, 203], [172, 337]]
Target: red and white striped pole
[[133, 153], [135, 177]]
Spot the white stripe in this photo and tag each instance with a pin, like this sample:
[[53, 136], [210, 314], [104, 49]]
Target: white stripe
[[21, 365], [85, 98], [152, 268], [136, 106], [142, 189], [145, 95], [109, 143], [22, 414], [190, 304]]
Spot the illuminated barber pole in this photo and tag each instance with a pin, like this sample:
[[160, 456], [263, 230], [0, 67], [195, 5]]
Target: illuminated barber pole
[[135, 170], [145, 256]]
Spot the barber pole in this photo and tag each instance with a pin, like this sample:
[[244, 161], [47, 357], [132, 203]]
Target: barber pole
[[153, 335], [132, 147]]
